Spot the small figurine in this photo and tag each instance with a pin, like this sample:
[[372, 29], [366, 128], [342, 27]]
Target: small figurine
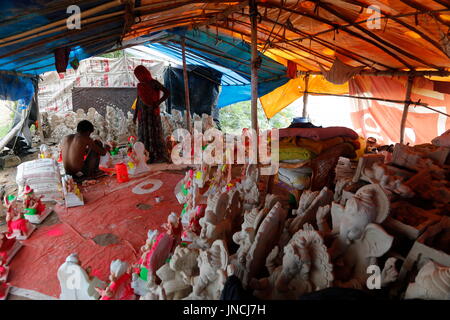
[[4, 289], [249, 186], [131, 141], [431, 283], [8, 248], [120, 285], [3, 268], [174, 229], [114, 149], [75, 282], [45, 152], [214, 224], [139, 156], [35, 210], [360, 239], [106, 161], [213, 273], [182, 265], [305, 268], [154, 255], [371, 145], [194, 228], [18, 226]]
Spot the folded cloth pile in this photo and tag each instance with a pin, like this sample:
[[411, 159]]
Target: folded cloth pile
[[303, 144], [43, 177]]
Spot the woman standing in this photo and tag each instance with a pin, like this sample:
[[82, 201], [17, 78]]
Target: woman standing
[[147, 113]]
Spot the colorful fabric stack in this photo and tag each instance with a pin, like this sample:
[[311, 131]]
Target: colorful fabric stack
[[299, 145]]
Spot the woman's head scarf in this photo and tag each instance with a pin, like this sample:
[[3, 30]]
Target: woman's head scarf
[[146, 89]]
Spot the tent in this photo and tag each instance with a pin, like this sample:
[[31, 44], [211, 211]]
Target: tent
[[386, 38]]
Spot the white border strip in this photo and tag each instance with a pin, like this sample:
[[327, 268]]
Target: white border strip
[[30, 294]]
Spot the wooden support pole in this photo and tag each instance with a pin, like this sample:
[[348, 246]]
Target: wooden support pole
[[389, 73], [305, 97], [39, 115], [406, 108], [186, 87], [418, 103], [254, 73]]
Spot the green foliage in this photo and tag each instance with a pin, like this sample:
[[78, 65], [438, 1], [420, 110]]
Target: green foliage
[[237, 116], [6, 117], [113, 55]]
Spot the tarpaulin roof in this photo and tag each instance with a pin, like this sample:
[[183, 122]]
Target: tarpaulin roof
[[379, 35], [229, 55], [31, 30]]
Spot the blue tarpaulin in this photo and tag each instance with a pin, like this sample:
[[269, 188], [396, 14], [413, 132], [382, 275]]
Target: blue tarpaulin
[[230, 56], [16, 88], [33, 52]]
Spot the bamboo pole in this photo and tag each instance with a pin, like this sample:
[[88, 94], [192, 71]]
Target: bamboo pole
[[39, 116], [364, 21], [305, 97], [350, 32], [388, 73], [254, 73], [432, 109], [186, 86], [62, 28], [205, 59], [324, 43], [223, 56], [418, 103], [375, 37], [421, 8], [406, 108], [404, 24], [57, 37]]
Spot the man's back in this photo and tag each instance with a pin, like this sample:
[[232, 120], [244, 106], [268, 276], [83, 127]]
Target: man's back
[[74, 148]]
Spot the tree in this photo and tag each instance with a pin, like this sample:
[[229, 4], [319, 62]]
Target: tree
[[113, 55], [235, 117]]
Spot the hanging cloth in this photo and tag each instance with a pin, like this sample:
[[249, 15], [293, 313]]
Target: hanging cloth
[[146, 87], [340, 72], [291, 69], [62, 59]]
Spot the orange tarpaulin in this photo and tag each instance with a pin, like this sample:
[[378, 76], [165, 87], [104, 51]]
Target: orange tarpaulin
[[283, 96], [382, 119]]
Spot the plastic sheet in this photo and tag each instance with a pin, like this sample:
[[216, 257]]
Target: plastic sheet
[[382, 120], [203, 89], [110, 208]]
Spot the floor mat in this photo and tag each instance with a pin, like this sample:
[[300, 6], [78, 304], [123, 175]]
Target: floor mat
[[109, 226]]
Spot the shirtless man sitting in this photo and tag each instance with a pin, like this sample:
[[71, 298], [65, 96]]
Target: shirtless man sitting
[[76, 146]]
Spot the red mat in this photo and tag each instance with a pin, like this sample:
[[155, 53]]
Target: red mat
[[110, 208]]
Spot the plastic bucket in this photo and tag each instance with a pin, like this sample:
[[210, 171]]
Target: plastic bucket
[[122, 173]]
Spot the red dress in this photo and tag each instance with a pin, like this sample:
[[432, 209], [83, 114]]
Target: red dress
[[20, 224]]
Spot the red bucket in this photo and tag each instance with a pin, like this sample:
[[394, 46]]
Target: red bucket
[[122, 173]]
